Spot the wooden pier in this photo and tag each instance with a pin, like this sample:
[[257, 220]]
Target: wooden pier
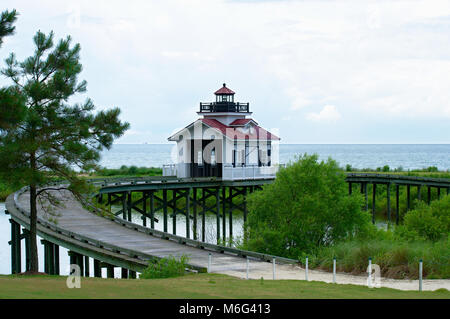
[[115, 241], [112, 241]]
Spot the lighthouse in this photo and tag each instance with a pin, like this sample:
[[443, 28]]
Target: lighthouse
[[225, 142]]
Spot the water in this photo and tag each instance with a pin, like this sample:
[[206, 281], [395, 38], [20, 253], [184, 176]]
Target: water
[[359, 156], [408, 156], [210, 222]]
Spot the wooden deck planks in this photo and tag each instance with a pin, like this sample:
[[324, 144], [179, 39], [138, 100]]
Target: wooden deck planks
[[75, 218]]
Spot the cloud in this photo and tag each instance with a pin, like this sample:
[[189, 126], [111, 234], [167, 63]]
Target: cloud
[[329, 114], [158, 59]]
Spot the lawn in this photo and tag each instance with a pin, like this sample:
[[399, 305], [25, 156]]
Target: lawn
[[193, 286]]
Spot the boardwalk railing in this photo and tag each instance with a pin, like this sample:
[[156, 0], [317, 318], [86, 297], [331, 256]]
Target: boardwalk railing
[[137, 255], [249, 172], [169, 170]]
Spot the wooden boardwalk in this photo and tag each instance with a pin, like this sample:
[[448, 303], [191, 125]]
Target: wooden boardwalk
[[135, 243], [123, 244]]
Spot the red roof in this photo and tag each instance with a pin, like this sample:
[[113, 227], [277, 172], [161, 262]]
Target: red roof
[[231, 132], [241, 122], [224, 91]]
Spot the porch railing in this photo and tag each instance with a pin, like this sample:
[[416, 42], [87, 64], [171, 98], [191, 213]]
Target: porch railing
[[249, 172], [169, 170]]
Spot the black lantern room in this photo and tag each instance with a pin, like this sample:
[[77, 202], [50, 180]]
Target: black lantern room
[[224, 103]]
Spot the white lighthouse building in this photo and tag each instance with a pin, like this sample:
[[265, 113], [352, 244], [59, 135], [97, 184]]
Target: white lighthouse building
[[225, 142]]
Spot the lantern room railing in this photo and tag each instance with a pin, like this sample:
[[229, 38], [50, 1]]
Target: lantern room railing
[[213, 107]]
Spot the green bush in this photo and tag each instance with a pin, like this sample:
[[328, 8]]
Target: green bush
[[430, 222], [306, 207], [165, 268]]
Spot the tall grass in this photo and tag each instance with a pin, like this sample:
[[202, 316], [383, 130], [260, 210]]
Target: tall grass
[[396, 258]]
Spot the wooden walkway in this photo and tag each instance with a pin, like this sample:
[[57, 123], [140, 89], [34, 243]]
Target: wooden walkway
[[119, 242]]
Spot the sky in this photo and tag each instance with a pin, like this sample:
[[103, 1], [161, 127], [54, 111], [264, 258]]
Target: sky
[[315, 72]]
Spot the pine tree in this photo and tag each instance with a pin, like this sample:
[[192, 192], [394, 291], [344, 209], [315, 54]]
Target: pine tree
[[49, 137], [14, 111], [7, 20]]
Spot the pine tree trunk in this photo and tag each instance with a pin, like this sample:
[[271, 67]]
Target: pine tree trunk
[[34, 262]]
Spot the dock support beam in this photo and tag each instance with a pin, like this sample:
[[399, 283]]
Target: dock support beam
[[109, 271], [144, 209], [86, 266], [373, 202], [397, 203], [188, 213], [230, 203], [124, 205], [245, 204], [76, 258], [26, 235], [203, 215], [129, 206], [389, 202], [194, 207], [152, 209], [165, 209], [218, 214], [97, 269], [224, 210], [16, 261], [174, 212]]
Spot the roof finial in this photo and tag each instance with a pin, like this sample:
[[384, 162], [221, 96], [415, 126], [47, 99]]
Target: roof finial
[[224, 85]]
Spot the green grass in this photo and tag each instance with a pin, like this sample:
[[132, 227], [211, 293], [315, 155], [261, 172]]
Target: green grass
[[194, 286], [396, 258]]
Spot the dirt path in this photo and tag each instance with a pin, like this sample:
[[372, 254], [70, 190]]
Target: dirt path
[[265, 270]]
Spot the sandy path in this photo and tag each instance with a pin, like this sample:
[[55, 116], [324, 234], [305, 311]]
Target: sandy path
[[264, 269]]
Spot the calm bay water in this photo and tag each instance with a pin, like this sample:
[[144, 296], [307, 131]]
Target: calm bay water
[[359, 156], [408, 156]]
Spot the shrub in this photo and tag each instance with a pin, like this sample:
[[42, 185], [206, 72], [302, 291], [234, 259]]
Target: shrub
[[165, 268], [307, 206], [430, 222], [132, 170]]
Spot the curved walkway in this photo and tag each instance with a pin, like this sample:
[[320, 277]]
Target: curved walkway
[[129, 245]]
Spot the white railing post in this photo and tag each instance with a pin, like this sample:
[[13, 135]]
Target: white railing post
[[369, 283], [209, 263], [248, 266], [420, 274], [334, 270], [273, 264], [306, 269]]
